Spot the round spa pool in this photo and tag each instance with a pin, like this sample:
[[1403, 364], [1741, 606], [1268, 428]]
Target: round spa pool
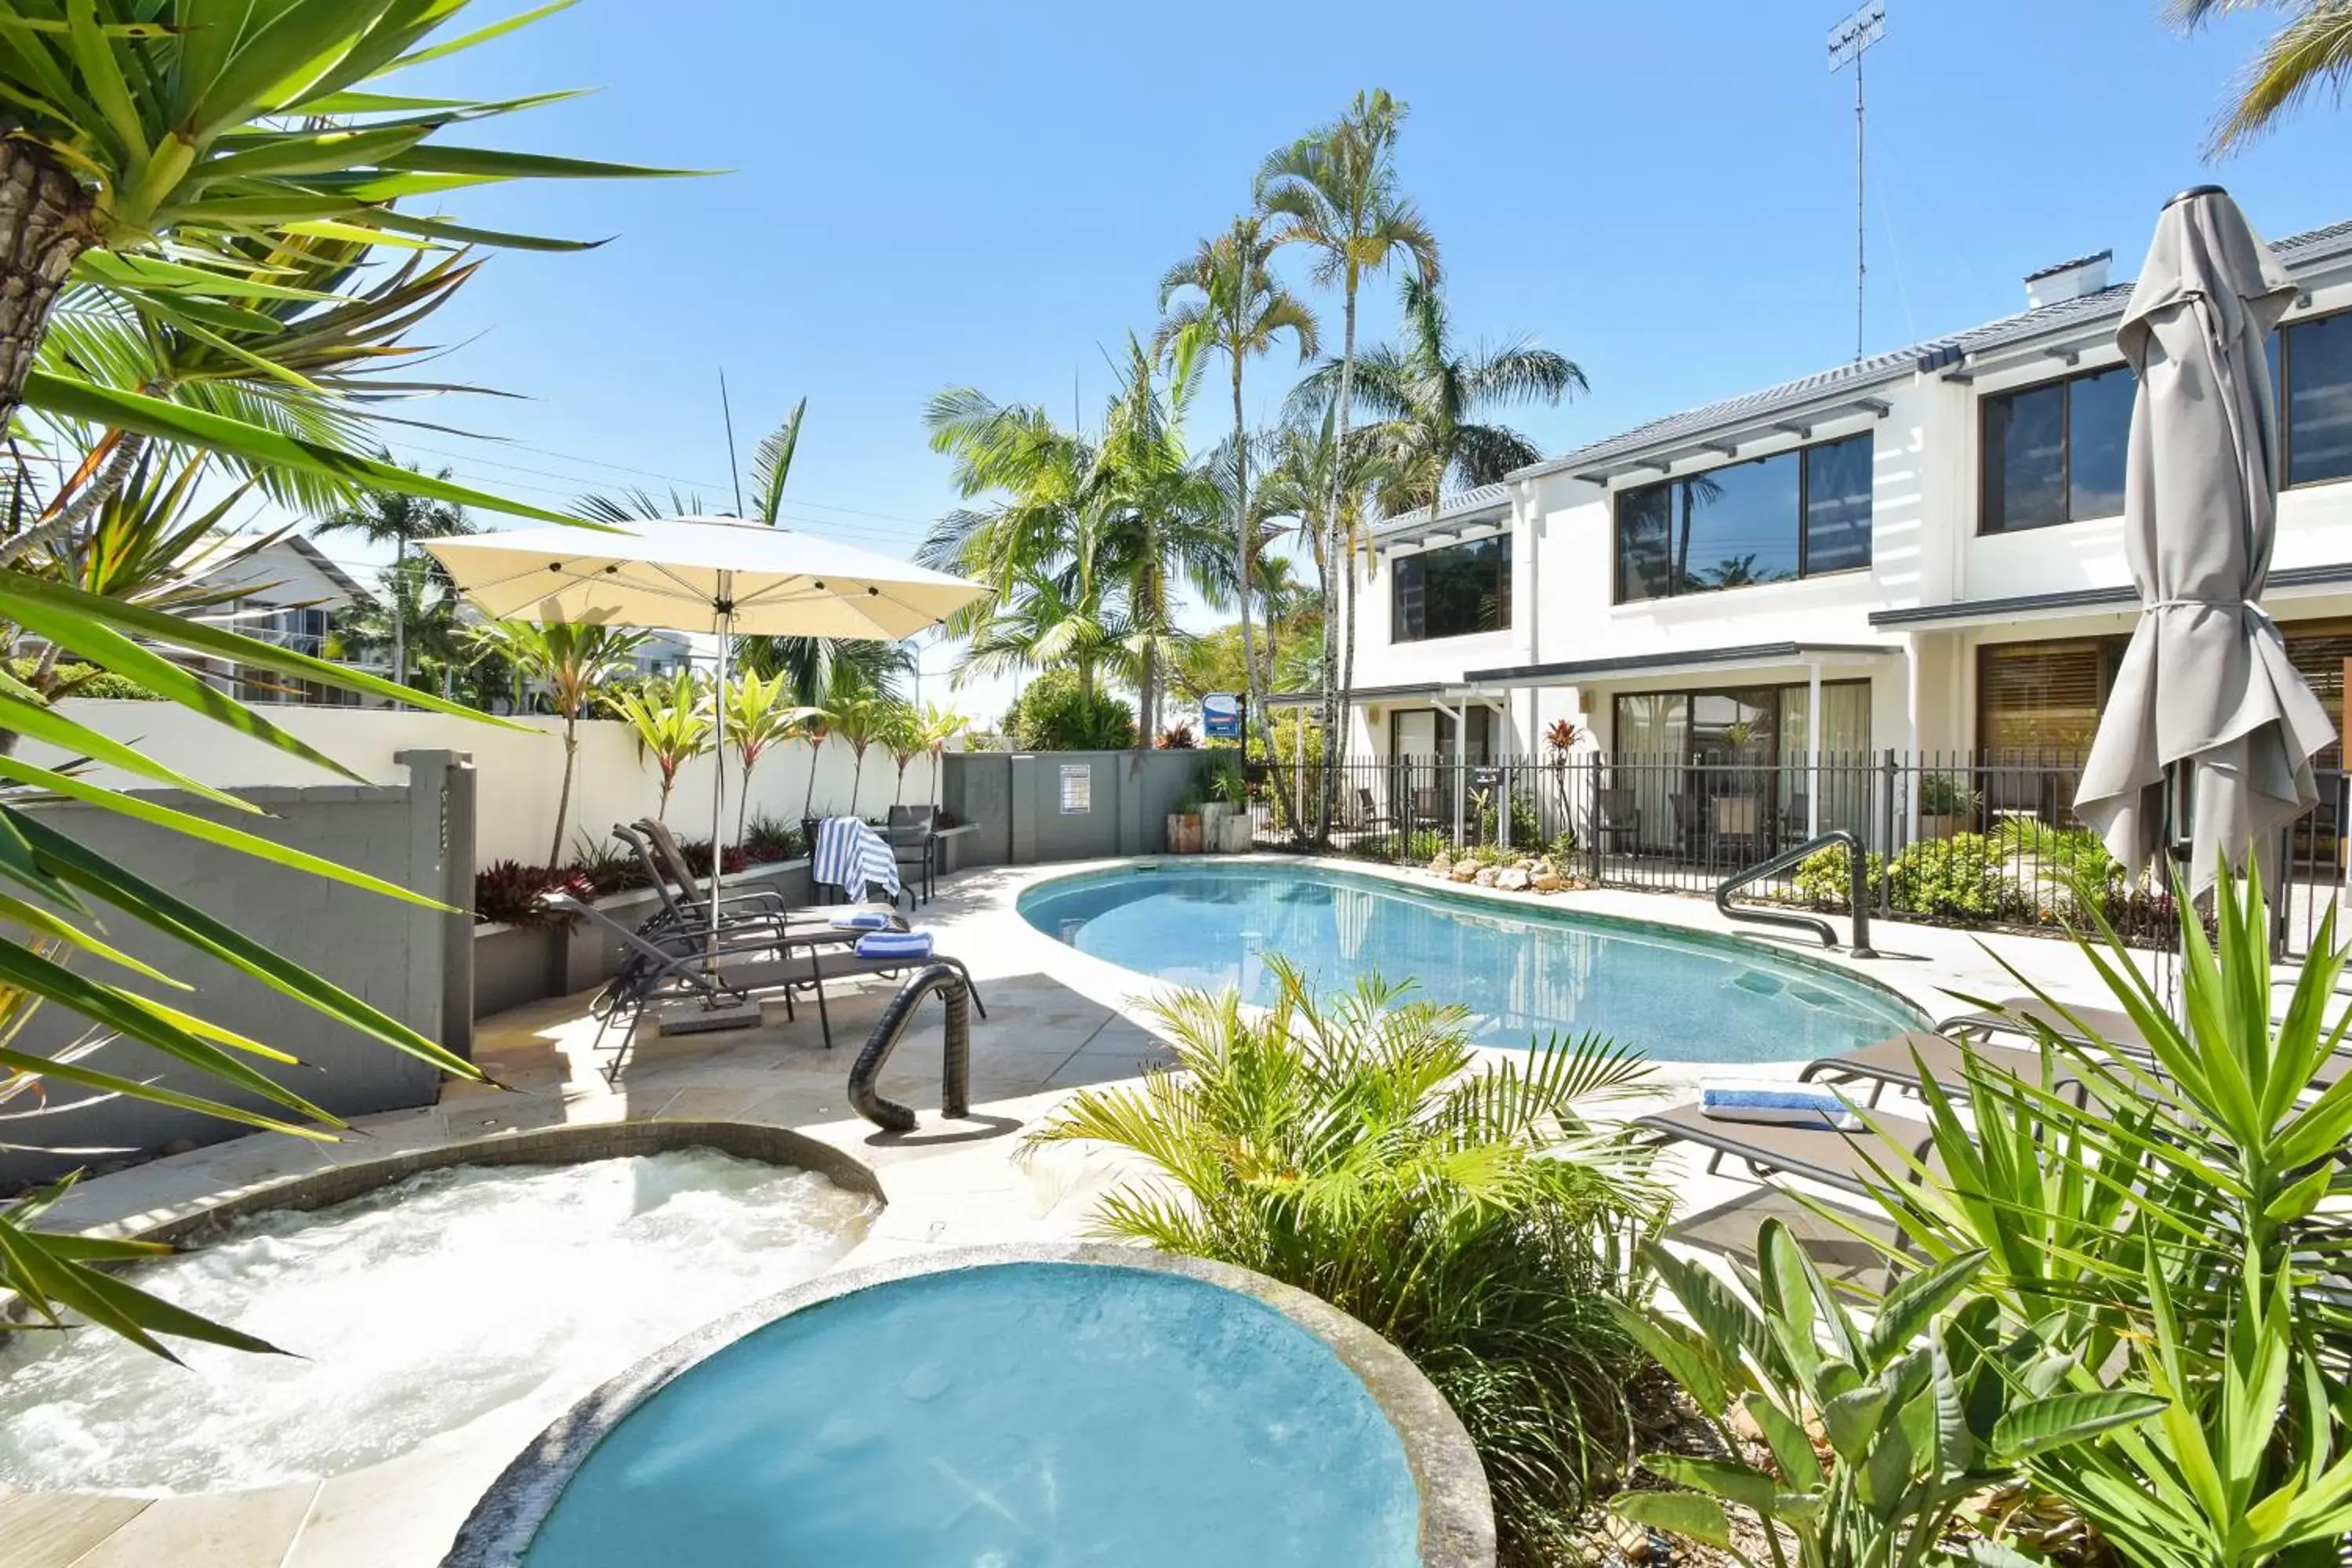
[[1678, 995], [1009, 1407], [454, 1297]]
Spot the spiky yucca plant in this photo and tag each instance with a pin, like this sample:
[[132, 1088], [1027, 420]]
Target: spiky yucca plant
[[1471, 1213]]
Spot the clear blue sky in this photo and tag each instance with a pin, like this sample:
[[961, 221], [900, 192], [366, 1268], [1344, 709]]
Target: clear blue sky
[[924, 196]]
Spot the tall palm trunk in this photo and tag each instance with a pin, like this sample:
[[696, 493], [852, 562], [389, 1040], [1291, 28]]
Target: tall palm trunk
[[44, 226], [563, 795], [1245, 544], [1335, 695]]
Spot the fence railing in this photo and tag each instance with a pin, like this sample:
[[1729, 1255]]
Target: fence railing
[[1970, 838]]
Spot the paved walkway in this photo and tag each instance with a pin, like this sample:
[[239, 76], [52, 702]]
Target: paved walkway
[[1057, 1020]]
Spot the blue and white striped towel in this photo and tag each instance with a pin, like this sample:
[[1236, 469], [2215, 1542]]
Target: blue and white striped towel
[[853, 857], [866, 920], [895, 944]]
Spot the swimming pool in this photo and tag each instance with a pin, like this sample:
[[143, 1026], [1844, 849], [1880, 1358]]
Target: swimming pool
[[1679, 996], [1014, 1407]]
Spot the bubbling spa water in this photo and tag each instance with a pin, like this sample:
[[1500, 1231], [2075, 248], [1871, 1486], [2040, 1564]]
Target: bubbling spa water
[[457, 1297]]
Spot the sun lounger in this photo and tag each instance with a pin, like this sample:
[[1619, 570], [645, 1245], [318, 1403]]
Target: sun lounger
[[1821, 1155], [1895, 1064], [822, 965], [665, 865], [2114, 1029]]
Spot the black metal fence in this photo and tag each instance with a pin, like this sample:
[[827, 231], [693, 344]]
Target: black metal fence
[[1964, 839]]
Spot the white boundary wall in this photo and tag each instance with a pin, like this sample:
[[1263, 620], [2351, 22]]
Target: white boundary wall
[[518, 772]]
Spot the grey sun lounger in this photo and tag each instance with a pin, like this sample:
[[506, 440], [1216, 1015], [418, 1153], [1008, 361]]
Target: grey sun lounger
[[825, 965], [1894, 1063], [2112, 1028], [1821, 1155], [665, 868]]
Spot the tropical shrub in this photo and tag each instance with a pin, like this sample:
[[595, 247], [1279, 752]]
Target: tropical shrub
[[1955, 879], [609, 867], [2060, 874], [1221, 778], [1419, 846], [1470, 1213], [507, 892], [768, 840], [673, 721], [2174, 1236], [1058, 711], [1916, 1417], [1825, 878], [1527, 827], [69, 679], [1177, 737], [1944, 794]]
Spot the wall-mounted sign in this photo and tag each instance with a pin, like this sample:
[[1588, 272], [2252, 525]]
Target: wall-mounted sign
[[1078, 789], [1220, 716]]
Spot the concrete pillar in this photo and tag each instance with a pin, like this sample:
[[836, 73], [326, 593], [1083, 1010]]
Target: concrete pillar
[[441, 865]]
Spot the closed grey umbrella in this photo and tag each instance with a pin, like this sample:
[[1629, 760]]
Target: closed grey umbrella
[[2206, 684]]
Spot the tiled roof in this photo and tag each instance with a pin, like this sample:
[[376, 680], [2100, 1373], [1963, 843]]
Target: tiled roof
[[2297, 250], [2071, 262], [1469, 503]]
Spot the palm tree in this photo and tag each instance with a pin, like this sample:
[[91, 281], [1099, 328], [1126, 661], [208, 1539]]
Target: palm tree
[[1430, 394], [673, 725], [1240, 309], [861, 719], [2312, 52], [577, 662], [811, 667], [757, 716], [935, 728], [1036, 474], [1156, 515], [390, 517], [1334, 191], [417, 612]]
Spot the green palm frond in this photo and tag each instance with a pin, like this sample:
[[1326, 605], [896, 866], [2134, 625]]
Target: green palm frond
[[2312, 53]]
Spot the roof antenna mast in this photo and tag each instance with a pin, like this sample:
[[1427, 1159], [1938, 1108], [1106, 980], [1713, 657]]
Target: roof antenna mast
[[1848, 40], [733, 468]]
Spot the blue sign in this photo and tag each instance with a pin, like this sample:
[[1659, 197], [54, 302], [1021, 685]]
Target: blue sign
[[1220, 716]]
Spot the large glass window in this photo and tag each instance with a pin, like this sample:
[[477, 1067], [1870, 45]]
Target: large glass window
[[1452, 591], [2314, 363], [2054, 453], [1794, 515], [2042, 700], [1837, 506], [1688, 767]]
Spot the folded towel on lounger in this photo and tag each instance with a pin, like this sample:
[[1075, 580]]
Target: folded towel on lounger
[[1778, 1104], [871, 920], [895, 944]]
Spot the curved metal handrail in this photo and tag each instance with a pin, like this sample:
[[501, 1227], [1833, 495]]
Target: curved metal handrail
[[955, 1091], [1857, 891]]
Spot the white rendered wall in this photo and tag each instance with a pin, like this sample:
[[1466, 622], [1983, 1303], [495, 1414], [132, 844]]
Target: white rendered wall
[[520, 769]]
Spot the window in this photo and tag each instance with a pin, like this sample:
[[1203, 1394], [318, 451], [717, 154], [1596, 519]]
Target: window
[[1452, 591], [2313, 362], [1794, 515], [2043, 698], [1688, 765], [2054, 453]]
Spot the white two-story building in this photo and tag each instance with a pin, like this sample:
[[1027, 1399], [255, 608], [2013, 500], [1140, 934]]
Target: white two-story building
[[1920, 552]]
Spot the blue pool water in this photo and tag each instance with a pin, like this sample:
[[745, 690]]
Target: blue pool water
[[1017, 1416], [1678, 996]]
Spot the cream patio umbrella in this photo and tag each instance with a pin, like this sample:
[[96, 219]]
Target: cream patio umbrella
[[719, 574], [2205, 693]]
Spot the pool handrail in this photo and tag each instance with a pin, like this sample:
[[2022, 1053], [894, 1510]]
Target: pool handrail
[[955, 1091], [1857, 891]]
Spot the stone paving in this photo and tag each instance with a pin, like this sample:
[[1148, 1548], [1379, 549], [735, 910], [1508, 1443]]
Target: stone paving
[[1059, 1020]]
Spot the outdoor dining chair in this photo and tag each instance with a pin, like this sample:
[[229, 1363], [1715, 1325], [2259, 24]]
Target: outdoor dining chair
[[912, 833]]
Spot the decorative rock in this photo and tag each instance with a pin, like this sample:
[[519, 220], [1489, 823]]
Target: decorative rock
[[1513, 881], [1441, 865], [1464, 871], [1550, 882], [1486, 876], [1545, 868]]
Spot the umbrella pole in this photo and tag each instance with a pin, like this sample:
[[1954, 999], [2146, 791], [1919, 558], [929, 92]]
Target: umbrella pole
[[722, 620]]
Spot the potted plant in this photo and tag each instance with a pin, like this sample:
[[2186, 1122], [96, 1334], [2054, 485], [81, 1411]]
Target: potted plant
[[1946, 805], [1225, 820], [1184, 822]]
